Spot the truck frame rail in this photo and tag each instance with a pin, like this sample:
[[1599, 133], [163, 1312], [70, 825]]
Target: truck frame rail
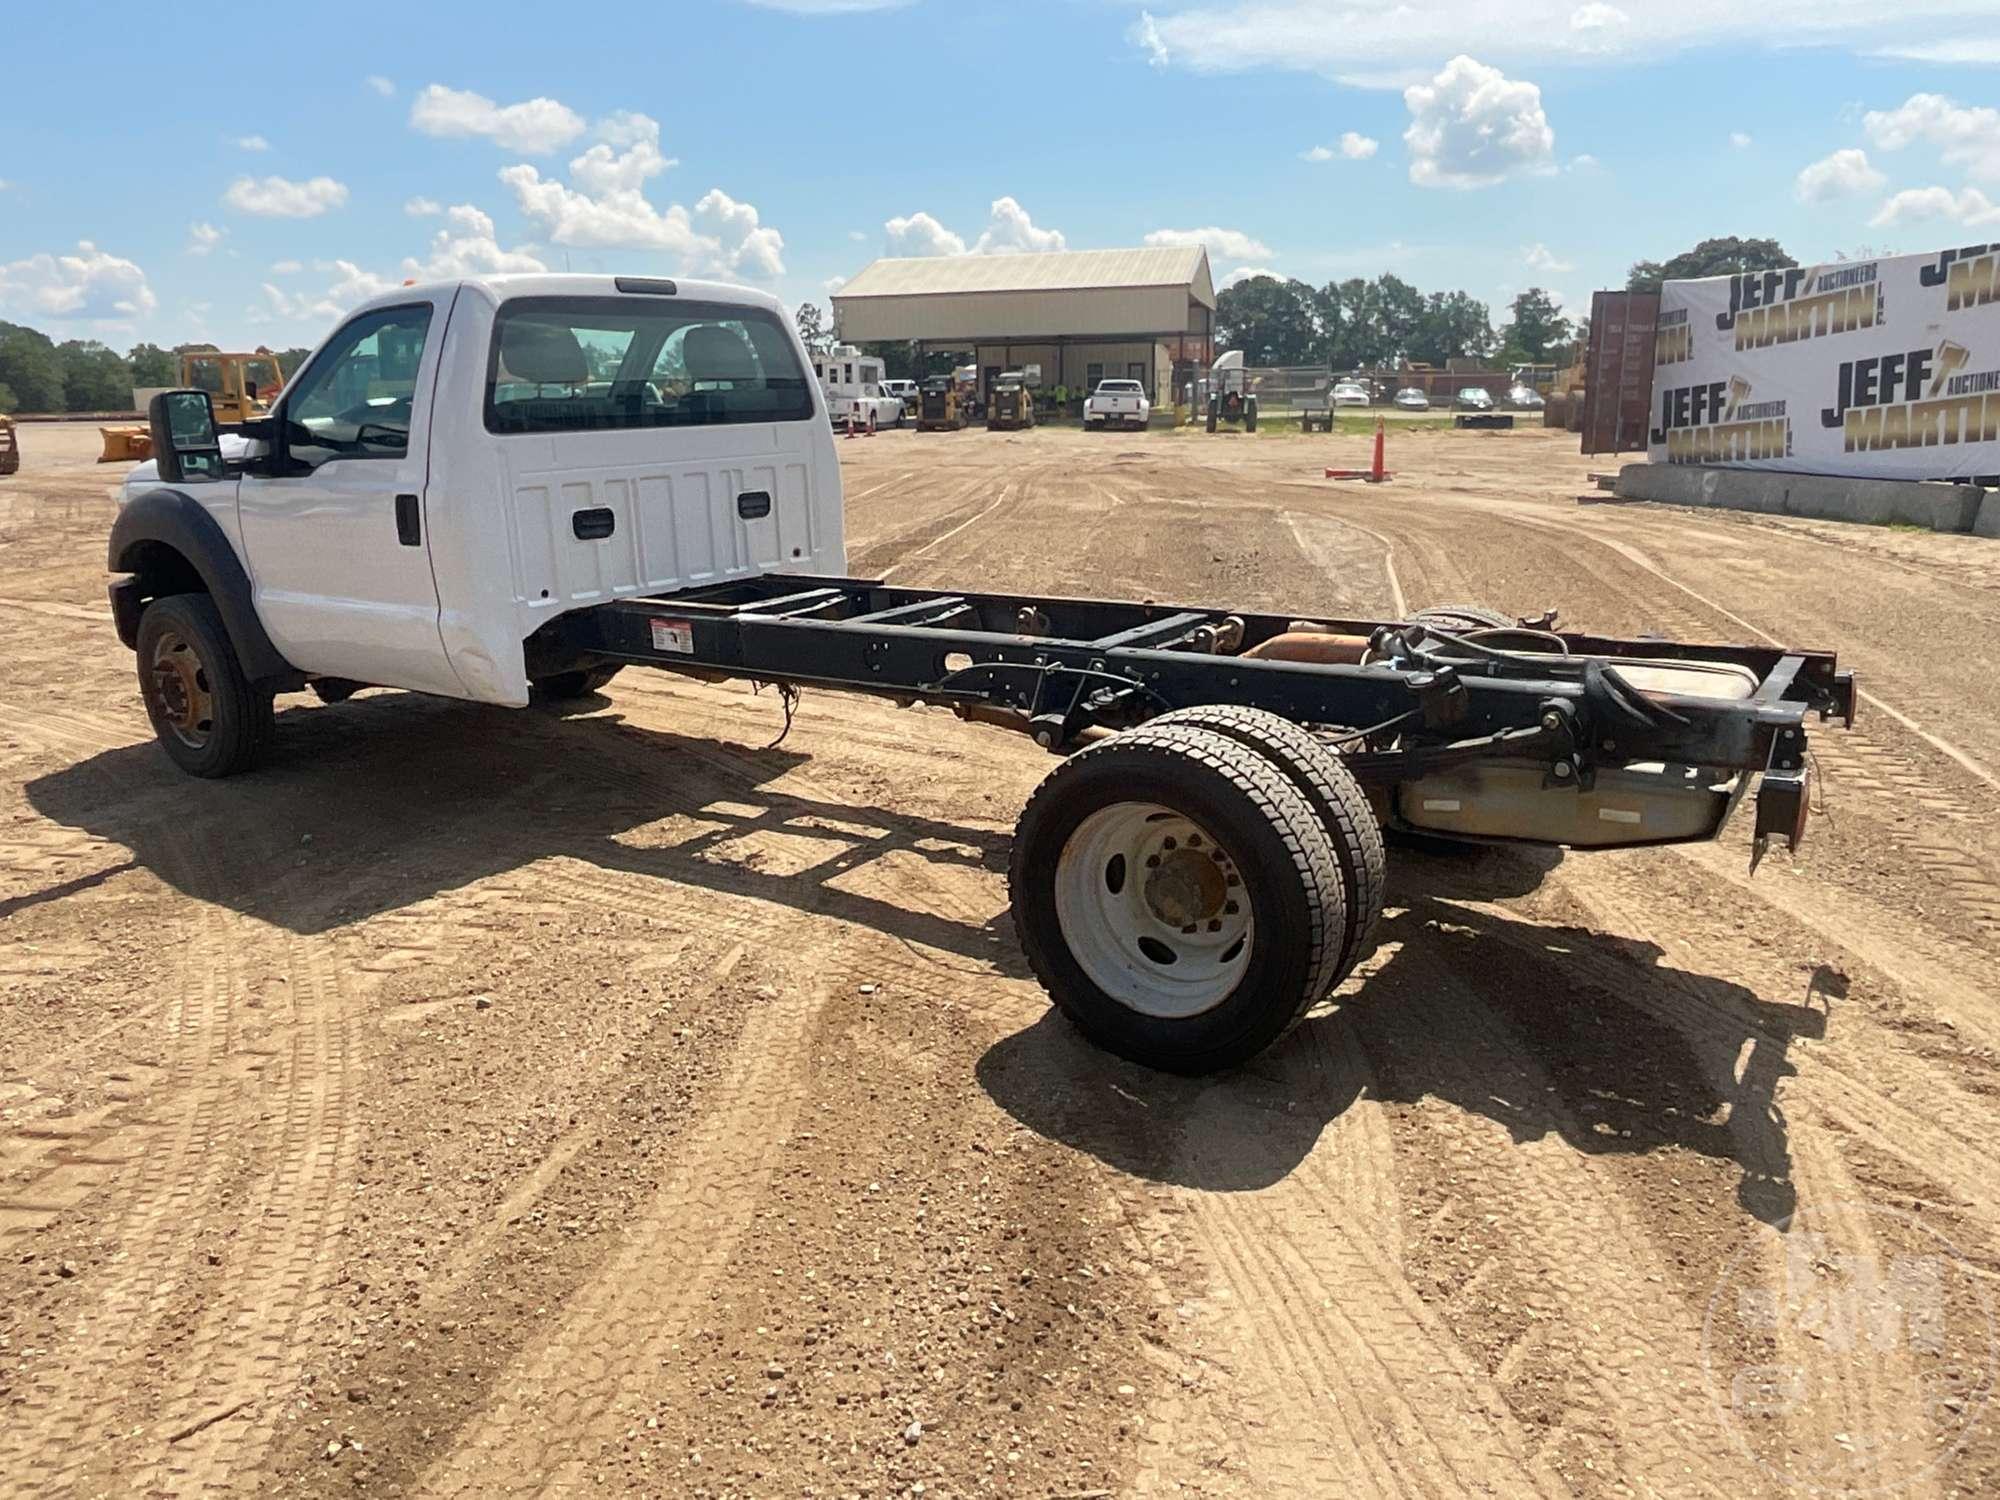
[[1066, 670]]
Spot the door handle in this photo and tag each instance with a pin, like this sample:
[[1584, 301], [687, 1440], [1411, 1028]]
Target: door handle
[[409, 521]]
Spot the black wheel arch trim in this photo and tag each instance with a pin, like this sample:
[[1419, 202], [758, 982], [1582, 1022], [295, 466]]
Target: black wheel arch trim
[[171, 519]]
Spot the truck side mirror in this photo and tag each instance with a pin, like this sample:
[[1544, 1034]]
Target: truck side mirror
[[184, 440]]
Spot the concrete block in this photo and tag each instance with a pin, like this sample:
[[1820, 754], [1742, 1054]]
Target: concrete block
[[1874, 502], [1987, 522]]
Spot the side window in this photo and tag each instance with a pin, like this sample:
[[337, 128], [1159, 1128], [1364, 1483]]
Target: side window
[[354, 401]]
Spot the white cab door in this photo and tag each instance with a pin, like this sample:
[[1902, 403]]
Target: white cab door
[[336, 533]]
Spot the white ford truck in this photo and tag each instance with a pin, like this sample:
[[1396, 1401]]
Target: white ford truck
[[1117, 403], [505, 488]]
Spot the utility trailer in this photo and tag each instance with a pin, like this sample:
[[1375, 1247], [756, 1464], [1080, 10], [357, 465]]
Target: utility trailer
[[452, 498]]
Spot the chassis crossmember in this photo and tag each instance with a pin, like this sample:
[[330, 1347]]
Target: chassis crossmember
[[1067, 670]]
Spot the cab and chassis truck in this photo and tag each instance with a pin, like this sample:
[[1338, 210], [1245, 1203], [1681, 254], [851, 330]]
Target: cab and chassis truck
[[510, 488]]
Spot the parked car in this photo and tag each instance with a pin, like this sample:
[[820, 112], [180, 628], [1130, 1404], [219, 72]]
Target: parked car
[[1409, 398], [1351, 393], [1473, 398], [1525, 398], [1117, 403]]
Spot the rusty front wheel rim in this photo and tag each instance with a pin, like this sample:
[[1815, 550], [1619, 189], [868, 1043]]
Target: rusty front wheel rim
[[178, 691]]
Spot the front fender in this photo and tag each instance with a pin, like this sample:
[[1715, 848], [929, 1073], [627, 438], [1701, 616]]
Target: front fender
[[170, 519]]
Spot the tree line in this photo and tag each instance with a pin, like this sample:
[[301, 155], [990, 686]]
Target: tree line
[[39, 375], [1360, 324]]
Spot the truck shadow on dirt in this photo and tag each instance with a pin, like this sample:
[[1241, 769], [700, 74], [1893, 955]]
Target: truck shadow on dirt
[[388, 800], [1545, 1030]]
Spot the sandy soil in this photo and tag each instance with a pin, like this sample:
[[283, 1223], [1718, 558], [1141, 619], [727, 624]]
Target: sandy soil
[[479, 1103]]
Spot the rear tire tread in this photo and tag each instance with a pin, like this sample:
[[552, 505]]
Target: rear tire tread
[[1317, 770], [1275, 798]]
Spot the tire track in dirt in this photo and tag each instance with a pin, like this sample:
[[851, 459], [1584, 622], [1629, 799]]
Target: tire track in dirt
[[639, 1306], [1356, 1386], [170, 1198]]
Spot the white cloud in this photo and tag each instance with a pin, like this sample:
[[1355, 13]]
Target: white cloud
[[1739, 140], [754, 249], [603, 205], [1541, 258], [90, 286], [1352, 145], [1583, 163], [1965, 136], [1970, 207], [1371, 44], [1841, 175], [1244, 273], [467, 246], [323, 307], [834, 284], [1227, 244], [281, 198], [536, 126], [422, 208], [1471, 126], [464, 246], [919, 234], [203, 237], [252, 143], [1009, 231], [1964, 51], [380, 85]]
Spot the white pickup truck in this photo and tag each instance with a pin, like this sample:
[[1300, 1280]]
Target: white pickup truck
[[505, 488], [1117, 403]]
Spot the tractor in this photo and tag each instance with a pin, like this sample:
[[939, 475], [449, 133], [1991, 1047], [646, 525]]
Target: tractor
[[1228, 401]]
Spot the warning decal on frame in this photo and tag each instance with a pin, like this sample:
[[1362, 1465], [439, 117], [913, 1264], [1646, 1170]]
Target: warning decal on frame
[[673, 635]]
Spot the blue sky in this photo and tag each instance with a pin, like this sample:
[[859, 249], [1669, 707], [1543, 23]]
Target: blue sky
[[156, 187]]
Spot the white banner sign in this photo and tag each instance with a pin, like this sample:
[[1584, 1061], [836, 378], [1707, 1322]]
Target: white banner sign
[[1888, 369]]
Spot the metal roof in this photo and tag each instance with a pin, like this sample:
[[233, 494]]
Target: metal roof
[[1057, 270]]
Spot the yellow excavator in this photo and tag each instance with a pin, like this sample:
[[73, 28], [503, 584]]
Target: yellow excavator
[[10, 447], [239, 386]]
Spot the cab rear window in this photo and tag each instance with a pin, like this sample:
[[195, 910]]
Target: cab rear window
[[595, 364]]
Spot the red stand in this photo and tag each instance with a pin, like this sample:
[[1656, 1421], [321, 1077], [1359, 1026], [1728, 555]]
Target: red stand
[[1376, 474]]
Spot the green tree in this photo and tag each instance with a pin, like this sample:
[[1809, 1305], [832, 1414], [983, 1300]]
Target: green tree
[[1453, 325], [1271, 321], [289, 361], [1728, 256], [29, 367], [815, 328], [6, 399], [152, 365], [94, 378], [1538, 329]]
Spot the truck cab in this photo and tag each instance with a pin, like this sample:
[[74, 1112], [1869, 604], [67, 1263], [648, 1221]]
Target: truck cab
[[461, 463]]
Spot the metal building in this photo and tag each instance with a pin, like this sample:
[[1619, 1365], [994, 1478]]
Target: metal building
[[1082, 315]]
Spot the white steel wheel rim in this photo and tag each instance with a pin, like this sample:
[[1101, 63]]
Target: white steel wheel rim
[[1153, 910]]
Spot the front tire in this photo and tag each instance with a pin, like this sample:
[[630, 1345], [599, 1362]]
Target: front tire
[[1178, 897], [206, 714], [561, 687]]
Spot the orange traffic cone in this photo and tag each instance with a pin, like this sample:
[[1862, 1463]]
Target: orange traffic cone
[[1376, 473]]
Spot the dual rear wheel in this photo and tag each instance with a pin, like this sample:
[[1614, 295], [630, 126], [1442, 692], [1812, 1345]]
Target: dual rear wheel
[[1187, 890]]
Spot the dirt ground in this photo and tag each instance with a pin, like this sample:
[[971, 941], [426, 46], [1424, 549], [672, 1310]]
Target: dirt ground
[[477, 1102]]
